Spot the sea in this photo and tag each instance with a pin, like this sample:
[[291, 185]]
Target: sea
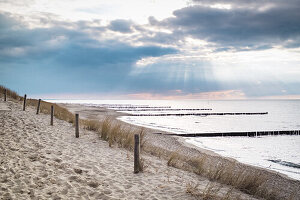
[[274, 152]]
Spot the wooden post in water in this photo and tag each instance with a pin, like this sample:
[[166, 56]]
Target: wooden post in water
[[77, 125], [24, 103], [52, 113], [136, 153], [38, 107], [5, 94]]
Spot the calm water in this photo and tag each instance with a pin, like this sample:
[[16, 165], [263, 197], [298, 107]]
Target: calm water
[[279, 153]]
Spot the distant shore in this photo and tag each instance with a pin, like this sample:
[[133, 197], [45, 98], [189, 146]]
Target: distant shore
[[165, 145]]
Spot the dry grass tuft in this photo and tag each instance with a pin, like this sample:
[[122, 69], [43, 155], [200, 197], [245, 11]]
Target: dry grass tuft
[[173, 158], [91, 125], [198, 164], [113, 132], [293, 195], [143, 165], [217, 172], [228, 195], [105, 129], [59, 112], [247, 181], [126, 139], [10, 93], [210, 192], [192, 188]]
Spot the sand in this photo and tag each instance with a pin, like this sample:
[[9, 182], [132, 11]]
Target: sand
[[39, 161]]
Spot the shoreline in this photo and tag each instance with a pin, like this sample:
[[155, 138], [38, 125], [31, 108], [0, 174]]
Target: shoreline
[[164, 145]]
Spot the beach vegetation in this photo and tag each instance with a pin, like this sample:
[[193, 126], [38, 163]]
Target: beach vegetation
[[198, 164], [91, 125], [210, 192], [10, 93], [172, 159], [229, 195], [192, 188], [142, 165]]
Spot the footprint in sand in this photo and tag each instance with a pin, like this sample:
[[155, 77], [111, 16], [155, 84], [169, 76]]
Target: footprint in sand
[[58, 160], [78, 171], [93, 184]]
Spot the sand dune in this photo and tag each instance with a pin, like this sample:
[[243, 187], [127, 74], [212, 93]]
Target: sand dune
[[39, 161]]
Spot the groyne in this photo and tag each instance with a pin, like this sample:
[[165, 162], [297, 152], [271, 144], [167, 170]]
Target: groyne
[[200, 114], [246, 133]]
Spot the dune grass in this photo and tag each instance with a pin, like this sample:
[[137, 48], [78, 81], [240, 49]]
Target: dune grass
[[115, 133], [11, 94], [247, 181]]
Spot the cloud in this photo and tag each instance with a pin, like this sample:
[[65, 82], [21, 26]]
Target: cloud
[[71, 46], [239, 28], [34, 54], [249, 4], [121, 25]]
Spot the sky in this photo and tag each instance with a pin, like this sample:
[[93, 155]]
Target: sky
[[151, 49]]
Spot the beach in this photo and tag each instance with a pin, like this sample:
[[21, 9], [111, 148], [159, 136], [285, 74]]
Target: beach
[[162, 145], [39, 161]]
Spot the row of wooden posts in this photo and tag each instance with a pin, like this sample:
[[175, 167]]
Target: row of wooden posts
[[136, 136], [52, 115]]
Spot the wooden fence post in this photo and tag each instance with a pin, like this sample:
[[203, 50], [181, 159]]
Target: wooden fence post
[[52, 113], [77, 125], [5, 94], [136, 153], [24, 103], [38, 107]]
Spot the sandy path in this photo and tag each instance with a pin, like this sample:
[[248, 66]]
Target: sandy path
[[39, 161]]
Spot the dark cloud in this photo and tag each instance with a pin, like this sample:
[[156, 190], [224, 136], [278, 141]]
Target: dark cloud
[[153, 21], [160, 38], [238, 27], [70, 45], [121, 25], [250, 4]]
